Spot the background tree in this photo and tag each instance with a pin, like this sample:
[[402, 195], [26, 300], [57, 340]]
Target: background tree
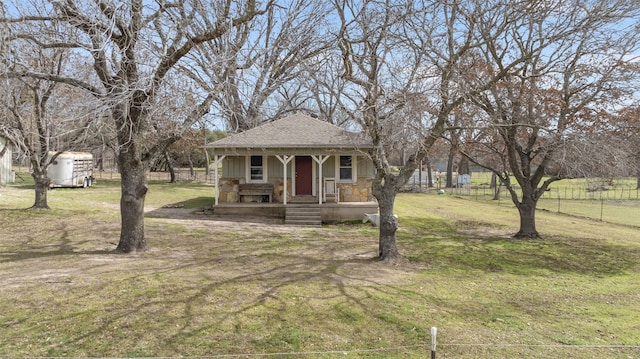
[[391, 51], [325, 89], [115, 37], [39, 117], [627, 132], [185, 152], [540, 120], [256, 68], [453, 138]]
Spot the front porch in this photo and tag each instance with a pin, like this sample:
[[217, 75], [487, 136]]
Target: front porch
[[297, 168], [330, 213]]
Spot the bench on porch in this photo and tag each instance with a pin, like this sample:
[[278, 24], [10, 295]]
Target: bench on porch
[[255, 189]]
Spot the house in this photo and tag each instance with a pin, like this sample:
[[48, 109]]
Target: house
[[6, 172], [297, 161]]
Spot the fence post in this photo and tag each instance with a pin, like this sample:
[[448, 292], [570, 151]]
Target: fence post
[[434, 332]]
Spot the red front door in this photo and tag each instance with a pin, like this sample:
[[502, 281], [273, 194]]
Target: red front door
[[304, 174]]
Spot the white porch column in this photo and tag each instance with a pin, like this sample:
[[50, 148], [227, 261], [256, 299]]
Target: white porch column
[[320, 160], [216, 162], [285, 159]]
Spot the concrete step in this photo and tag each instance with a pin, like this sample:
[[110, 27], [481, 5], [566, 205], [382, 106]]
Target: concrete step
[[303, 216], [305, 210]]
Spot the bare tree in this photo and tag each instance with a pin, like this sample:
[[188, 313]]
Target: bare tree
[[453, 138], [254, 69], [395, 53], [116, 37], [38, 119], [626, 126], [326, 90], [541, 121]]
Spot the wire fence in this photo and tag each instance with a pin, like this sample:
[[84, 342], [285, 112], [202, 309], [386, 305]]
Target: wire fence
[[452, 350], [182, 175], [618, 205]]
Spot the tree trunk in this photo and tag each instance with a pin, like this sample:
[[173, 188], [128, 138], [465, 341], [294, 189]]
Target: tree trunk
[[420, 176], [207, 171], [429, 174], [172, 172], [387, 250], [100, 162], [496, 186], [134, 190], [41, 190], [527, 211], [192, 172], [464, 167], [496, 193], [100, 159], [452, 154]]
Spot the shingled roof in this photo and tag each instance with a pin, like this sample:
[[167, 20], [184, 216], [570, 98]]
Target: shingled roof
[[295, 131]]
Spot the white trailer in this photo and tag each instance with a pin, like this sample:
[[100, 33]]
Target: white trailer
[[71, 169]]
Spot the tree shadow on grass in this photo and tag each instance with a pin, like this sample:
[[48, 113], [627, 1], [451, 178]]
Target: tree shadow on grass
[[40, 237], [451, 244], [248, 287], [192, 203], [250, 284], [47, 252]]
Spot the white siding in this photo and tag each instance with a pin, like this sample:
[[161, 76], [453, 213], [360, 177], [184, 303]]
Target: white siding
[[233, 167], [365, 167], [329, 167]]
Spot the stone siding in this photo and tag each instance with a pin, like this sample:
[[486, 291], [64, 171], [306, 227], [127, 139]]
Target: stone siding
[[349, 192], [228, 189], [356, 192]]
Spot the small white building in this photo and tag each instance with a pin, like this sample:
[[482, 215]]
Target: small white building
[[6, 154]]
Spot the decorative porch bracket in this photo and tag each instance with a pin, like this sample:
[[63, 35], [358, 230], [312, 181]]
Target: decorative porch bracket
[[320, 160], [216, 162], [285, 159]]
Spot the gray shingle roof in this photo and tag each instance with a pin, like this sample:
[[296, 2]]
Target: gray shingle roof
[[295, 131]]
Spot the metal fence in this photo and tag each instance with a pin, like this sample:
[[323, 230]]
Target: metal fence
[[182, 175], [619, 205]]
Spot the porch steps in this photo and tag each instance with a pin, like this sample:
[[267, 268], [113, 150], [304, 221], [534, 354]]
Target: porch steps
[[303, 216]]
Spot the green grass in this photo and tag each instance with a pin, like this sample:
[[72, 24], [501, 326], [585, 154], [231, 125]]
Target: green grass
[[207, 288], [106, 192], [619, 204], [567, 186], [625, 212]]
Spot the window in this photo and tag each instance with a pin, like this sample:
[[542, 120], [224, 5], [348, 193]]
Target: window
[[256, 169], [346, 168]]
